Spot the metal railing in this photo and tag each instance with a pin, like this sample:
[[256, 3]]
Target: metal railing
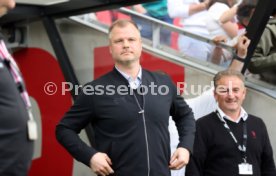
[[157, 25], [154, 46]]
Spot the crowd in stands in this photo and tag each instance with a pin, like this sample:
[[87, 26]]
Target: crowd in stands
[[157, 10], [207, 18]]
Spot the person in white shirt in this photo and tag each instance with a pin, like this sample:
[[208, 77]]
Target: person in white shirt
[[220, 20], [192, 14], [217, 23]]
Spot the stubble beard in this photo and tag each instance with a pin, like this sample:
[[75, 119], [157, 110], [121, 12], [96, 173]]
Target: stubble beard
[[127, 63]]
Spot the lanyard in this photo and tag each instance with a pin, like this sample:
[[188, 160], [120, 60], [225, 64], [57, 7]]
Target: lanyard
[[242, 148], [14, 70]]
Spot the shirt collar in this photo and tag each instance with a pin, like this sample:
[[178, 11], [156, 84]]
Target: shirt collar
[[133, 83], [243, 115], [128, 77]]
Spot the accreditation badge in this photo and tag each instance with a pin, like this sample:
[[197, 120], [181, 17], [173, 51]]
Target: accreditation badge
[[32, 130], [245, 169], [32, 127]]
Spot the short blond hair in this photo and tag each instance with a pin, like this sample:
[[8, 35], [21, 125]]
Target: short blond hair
[[122, 23]]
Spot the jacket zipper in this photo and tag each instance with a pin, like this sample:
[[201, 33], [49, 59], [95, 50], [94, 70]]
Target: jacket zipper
[[147, 144], [145, 128]]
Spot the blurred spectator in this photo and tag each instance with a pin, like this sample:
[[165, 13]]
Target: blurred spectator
[[245, 12], [192, 14], [220, 21], [242, 11], [263, 61], [158, 10], [217, 24]]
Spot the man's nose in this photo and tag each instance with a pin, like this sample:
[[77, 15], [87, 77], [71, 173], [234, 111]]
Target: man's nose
[[230, 93], [126, 43]]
